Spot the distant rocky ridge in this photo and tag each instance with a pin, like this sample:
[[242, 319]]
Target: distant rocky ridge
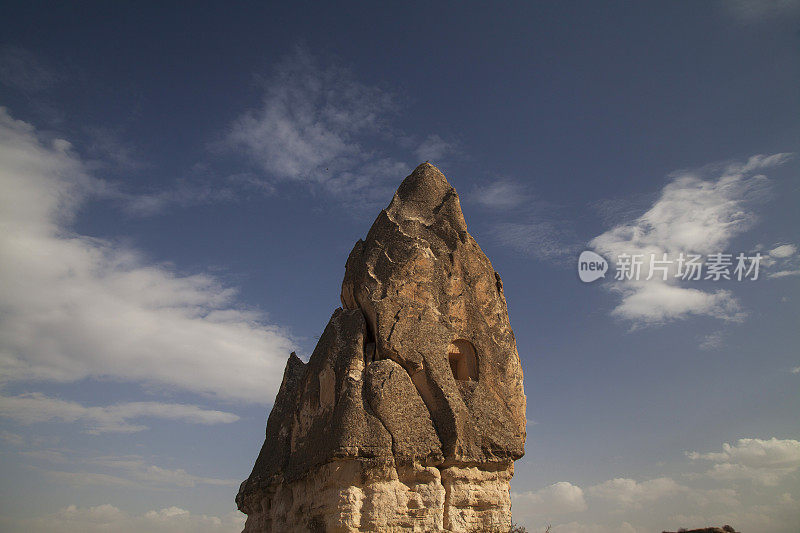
[[723, 529], [410, 411]]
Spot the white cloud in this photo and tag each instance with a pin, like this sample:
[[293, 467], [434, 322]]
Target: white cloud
[[318, 125], [311, 124], [664, 503], [103, 518], [765, 462], [74, 306], [628, 492], [782, 262], [796, 370], [655, 302], [34, 407], [691, 215], [697, 215], [558, 498], [309, 120]]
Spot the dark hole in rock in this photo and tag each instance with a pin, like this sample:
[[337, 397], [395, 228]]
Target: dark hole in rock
[[369, 352]]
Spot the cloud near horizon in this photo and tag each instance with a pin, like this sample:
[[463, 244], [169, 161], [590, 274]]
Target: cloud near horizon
[[73, 306], [107, 517], [765, 462], [558, 498], [707, 497], [31, 408]]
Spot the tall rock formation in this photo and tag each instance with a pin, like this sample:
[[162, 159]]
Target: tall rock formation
[[410, 411]]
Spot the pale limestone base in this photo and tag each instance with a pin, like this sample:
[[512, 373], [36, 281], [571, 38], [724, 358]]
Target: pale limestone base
[[349, 496]]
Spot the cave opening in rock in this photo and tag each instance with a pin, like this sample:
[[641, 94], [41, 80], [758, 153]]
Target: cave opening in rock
[[463, 360], [370, 351]]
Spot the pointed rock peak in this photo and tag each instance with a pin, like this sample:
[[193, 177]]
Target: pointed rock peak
[[424, 195], [425, 185]]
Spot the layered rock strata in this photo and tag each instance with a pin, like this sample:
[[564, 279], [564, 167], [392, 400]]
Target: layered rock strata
[[410, 411]]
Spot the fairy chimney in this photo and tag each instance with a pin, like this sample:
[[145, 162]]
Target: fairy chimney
[[410, 412]]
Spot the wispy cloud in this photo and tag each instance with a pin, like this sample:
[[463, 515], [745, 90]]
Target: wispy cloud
[[434, 148], [319, 126], [113, 470], [23, 70], [152, 475], [73, 306], [621, 209], [693, 214], [181, 194], [525, 223], [760, 10], [133, 471], [712, 341], [500, 194], [84, 479], [12, 438], [310, 121], [543, 239], [108, 148], [35, 407]]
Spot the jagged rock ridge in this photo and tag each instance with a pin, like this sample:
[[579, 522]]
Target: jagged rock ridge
[[410, 411]]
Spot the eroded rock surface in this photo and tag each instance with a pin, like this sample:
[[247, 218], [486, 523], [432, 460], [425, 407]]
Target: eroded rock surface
[[410, 411]]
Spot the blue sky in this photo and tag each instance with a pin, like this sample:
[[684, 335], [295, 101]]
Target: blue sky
[[182, 185]]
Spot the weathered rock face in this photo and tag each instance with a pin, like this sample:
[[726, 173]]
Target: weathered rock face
[[410, 412]]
